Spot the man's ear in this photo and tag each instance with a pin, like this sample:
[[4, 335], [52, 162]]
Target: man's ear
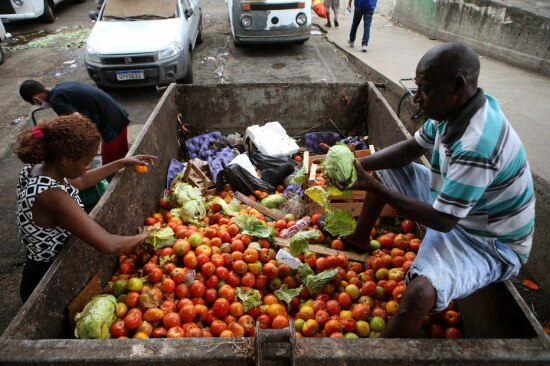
[[459, 83]]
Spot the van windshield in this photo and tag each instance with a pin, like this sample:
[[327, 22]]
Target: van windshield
[[140, 9]]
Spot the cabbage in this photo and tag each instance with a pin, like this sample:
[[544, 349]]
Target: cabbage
[[228, 209], [95, 320], [274, 200], [188, 203], [300, 177], [339, 165]]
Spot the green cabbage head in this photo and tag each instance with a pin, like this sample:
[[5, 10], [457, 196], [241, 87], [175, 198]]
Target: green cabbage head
[[94, 322], [339, 165]]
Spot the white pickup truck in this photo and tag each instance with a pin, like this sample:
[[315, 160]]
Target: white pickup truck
[[14, 10], [138, 43]]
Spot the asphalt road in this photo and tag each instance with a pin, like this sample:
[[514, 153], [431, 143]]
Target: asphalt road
[[54, 52]]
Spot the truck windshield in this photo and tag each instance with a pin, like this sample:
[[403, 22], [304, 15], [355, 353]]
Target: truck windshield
[[139, 9]]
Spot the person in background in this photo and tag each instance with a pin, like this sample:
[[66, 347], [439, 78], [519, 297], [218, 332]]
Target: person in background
[[49, 211], [477, 200], [364, 9], [334, 5], [72, 97]]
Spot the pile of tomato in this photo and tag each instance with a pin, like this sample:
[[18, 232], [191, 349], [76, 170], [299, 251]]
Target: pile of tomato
[[190, 289]]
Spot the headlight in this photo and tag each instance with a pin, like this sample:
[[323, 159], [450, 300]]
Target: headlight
[[92, 55], [170, 50], [246, 21], [18, 2], [301, 19]]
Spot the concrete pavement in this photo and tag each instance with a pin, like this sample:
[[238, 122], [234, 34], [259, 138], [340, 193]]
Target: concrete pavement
[[394, 51]]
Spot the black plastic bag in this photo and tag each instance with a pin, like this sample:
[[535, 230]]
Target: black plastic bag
[[241, 180], [274, 170]]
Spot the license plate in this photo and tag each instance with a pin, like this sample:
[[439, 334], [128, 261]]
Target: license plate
[[130, 75]]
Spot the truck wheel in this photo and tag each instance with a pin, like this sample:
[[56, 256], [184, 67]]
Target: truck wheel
[[1, 55], [48, 16], [188, 78]]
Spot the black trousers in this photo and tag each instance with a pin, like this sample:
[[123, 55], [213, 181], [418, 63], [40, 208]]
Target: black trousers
[[32, 274]]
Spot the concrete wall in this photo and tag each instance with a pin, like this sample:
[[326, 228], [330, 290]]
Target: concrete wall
[[507, 33]]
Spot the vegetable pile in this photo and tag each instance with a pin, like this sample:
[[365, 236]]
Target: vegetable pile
[[210, 270]]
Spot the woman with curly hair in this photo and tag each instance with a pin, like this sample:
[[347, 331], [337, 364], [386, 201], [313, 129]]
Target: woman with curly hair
[[58, 154]]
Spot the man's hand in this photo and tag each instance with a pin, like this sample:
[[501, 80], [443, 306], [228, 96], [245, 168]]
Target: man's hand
[[365, 180]]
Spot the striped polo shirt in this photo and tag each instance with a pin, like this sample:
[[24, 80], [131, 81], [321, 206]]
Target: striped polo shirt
[[480, 174]]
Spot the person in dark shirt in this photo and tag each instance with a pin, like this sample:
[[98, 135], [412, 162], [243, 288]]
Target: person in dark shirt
[[72, 97]]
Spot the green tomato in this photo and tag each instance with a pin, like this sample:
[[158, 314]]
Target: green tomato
[[135, 284], [351, 335], [195, 240], [299, 324], [374, 244], [377, 324]]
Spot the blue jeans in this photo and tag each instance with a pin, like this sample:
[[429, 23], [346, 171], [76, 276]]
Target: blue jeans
[[457, 263], [359, 14]]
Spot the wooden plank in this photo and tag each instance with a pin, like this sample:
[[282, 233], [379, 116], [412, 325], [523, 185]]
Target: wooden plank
[[324, 250], [305, 161], [312, 175], [258, 206], [88, 292]]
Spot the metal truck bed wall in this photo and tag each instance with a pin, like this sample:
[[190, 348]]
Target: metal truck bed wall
[[498, 326]]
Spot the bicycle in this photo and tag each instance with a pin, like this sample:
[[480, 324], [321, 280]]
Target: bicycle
[[407, 110]]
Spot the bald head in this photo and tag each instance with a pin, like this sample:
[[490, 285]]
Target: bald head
[[450, 60], [446, 77]]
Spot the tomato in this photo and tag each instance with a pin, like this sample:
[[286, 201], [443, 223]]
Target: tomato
[[171, 320], [132, 320], [140, 169], [153, 315], [168, 285], [407, 226], [150, 221], [132, 299], [118, 329], [221, 307], [155, 275]]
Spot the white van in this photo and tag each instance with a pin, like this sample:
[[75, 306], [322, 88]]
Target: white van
[[14, 10], [269, 21], [143, 42]]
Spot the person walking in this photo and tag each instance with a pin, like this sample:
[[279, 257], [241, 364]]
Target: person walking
[[71, 97], [57, 155], [364, 9], [334, 5]]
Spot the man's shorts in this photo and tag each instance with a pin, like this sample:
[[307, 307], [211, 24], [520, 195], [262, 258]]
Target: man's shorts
[[332, 4], [456, 263]]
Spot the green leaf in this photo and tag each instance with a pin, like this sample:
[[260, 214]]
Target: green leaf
[[318, 195], [161, 238], [315, 283], [249, 297], [249, 224], [298, 243], [340, 223], [303, 271], [287, 294], [227, 208], [300, 177]]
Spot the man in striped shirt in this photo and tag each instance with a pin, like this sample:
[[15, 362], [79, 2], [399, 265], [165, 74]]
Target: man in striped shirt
[[477, 201]]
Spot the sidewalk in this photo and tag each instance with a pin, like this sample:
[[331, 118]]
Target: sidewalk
[[394, 52]]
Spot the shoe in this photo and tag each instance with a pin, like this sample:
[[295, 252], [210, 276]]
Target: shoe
[[350, 43], [336, 24], [328, 25], [364, 48]]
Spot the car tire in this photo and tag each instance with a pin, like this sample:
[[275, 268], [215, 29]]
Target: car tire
[[1, 55], [48, 16], [199, 36], [188, 78]]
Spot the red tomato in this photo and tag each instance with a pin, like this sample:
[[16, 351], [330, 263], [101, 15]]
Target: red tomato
[[407, 226], [132, 320], [118, 329], [171, 320]]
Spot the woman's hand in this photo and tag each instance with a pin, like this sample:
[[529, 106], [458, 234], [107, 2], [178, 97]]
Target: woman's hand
[[148, 160]]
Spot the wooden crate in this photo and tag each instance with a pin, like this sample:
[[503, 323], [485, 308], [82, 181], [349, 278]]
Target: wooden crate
[[197, 177], [352, 202]]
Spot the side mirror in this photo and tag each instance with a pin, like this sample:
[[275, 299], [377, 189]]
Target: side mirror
[[92, 14], [188, 12]]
